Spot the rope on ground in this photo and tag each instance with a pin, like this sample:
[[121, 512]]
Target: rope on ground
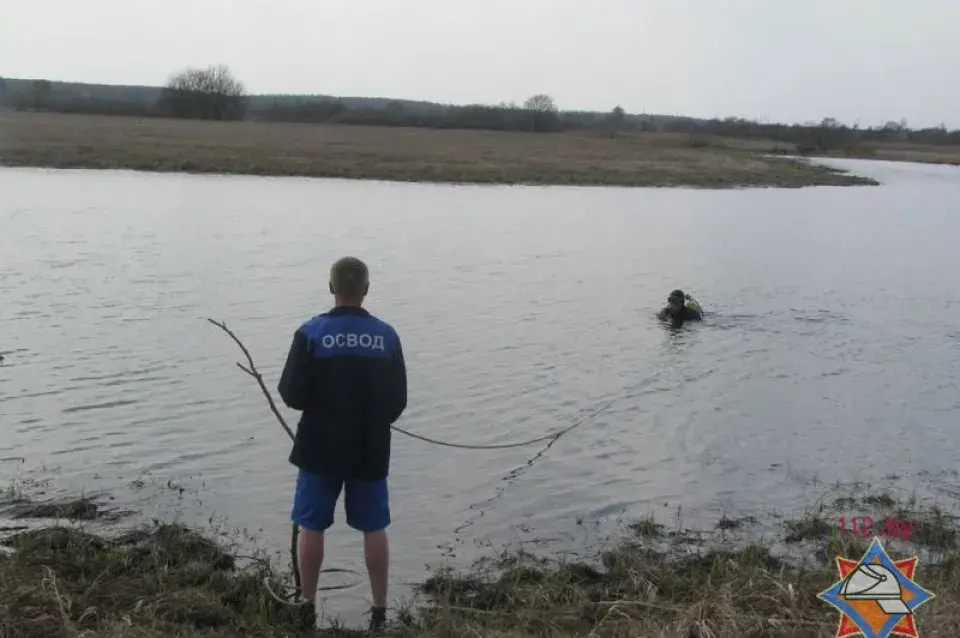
[[293, 599]]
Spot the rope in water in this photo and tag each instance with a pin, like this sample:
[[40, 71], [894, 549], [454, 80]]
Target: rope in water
[[251, 369], [466, 446]]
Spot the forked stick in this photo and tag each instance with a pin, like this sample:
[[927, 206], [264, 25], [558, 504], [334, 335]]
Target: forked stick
[[253, 372], [251, 369]]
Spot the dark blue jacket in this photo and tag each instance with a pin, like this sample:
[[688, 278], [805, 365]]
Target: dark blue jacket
[[345, 371]]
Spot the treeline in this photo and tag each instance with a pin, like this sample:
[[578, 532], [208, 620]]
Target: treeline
[[211, 94], [214, 94], [538, 114], [824, 135]]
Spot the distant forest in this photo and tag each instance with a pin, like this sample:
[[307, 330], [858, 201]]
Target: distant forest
[[213, 93]]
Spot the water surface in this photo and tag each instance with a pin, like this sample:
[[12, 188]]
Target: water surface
[[831, 350]]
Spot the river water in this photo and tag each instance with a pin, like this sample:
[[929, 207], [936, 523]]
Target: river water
[[831, 350]]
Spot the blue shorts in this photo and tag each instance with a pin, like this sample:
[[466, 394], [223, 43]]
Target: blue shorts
[[367, 503]]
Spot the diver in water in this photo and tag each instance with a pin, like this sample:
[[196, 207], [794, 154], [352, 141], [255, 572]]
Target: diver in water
[[681, 307]]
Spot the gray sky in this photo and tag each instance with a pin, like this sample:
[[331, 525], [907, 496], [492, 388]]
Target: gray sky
[[786, 61]]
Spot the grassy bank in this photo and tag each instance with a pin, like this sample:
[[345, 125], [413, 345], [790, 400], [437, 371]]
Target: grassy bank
[[399, 154], [169, 580]]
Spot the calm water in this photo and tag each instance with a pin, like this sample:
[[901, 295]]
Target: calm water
[[832, 349]]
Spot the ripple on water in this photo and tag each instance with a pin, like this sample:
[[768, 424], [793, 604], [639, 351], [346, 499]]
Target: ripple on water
[[99, 406]]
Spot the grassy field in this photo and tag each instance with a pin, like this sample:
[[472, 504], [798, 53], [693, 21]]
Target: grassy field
[[168, 580], [401, 154]]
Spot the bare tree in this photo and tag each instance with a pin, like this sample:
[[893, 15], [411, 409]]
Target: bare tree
[[544, 116], [614, 121], [211, 94], [214, 79], [541, 103]]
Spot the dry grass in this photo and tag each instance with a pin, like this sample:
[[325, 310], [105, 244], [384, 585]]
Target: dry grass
[[260, 148], [170, 581], [173, 581]]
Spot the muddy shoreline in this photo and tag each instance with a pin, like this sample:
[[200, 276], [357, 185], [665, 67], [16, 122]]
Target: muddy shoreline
[[56, 579]]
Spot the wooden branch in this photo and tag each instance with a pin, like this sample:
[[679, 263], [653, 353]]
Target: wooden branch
[[253, 372]]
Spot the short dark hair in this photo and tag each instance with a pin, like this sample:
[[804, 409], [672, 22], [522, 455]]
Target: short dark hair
[[349, 278]]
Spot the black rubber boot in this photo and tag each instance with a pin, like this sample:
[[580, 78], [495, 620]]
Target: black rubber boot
[[307, 614], [378, 618]]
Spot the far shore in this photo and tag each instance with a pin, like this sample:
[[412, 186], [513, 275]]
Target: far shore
[[52, 140]]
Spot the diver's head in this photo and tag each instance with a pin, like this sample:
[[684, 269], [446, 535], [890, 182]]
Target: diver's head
[[676, 299]]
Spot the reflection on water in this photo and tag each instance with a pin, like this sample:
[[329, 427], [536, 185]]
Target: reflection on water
[[829, 350]]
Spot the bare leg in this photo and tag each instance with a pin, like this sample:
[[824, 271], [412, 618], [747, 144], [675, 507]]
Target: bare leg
[[376, 552], [309, 561]]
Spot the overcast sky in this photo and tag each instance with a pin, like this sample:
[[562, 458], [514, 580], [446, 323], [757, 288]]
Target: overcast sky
[[866, 60]]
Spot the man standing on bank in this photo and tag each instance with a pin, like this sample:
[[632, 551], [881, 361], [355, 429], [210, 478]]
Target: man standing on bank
[[345, 371]]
